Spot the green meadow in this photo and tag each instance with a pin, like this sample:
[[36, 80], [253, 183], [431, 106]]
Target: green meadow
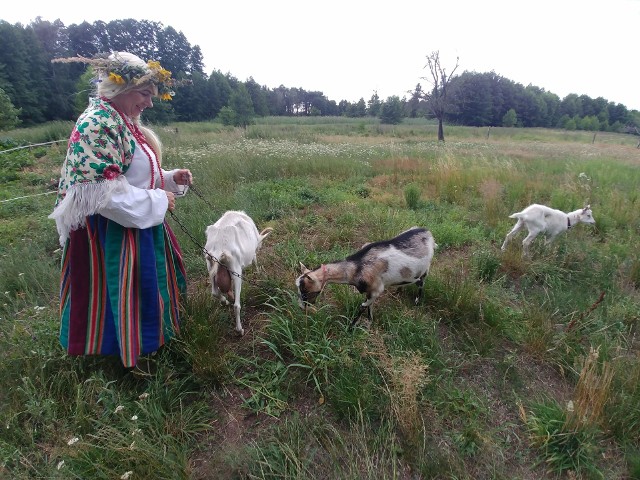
[[508, 368]]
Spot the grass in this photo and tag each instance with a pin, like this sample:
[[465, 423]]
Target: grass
[[508, 368]]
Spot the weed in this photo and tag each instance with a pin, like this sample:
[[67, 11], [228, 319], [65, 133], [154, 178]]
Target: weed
[[563, 448], [412, 196]]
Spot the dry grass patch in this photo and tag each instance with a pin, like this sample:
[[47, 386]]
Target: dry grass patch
[[591, 393], [404, 379]]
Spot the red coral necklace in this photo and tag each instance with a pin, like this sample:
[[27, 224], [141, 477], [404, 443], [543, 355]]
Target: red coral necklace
[[144, 145]]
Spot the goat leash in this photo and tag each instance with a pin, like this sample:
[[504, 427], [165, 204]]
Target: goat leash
[[197, 192]]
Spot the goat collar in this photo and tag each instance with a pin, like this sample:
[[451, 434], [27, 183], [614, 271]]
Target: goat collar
[[568, 222], [324, 274]]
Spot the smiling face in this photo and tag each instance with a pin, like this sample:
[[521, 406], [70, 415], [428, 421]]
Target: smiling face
[[133, 102]]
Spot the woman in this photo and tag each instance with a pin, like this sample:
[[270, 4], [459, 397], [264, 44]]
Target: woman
[[122, 269]]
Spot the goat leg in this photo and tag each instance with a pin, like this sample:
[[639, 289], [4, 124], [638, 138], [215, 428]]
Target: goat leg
[[420, 284], [359, 314]]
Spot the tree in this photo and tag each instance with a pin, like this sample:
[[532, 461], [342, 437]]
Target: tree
[[358, 109], [278, 101], [219, 91], [437, 99], [413, 105], [23, 68], [195, 102], [374, 105], [510, 118], [174, 52], [54, 42], [258, 97], [392, 110], [84, 40], [474, 100], [83, 88], [8, 113], [242, 106]]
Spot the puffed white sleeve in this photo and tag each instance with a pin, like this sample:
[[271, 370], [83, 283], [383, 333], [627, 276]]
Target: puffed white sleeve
[[136, 207]]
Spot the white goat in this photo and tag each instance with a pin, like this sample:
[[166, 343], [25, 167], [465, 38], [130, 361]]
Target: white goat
[[548, 221], [232, 244], [402, 260]]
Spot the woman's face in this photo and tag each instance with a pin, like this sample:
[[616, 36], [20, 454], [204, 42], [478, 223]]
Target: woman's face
[[133, 102]]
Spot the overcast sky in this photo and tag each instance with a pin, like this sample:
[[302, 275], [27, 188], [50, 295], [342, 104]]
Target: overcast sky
[[350, 48]]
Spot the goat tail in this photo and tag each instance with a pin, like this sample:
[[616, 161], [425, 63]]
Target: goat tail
[[516, 215], [265, 233], [224, 258]]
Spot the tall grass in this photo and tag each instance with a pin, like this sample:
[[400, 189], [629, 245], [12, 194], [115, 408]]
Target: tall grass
[[492, 375]]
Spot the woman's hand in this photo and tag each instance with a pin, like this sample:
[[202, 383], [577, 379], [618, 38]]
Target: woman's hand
[[183, 177], [172, 201]]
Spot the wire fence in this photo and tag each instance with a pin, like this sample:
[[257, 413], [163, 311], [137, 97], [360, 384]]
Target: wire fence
[[27, 196], [32, 145]]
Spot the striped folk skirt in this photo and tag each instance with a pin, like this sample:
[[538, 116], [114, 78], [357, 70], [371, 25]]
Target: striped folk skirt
[[120, 289]]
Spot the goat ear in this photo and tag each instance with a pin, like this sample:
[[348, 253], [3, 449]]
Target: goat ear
[[303, 269], [584, 210]]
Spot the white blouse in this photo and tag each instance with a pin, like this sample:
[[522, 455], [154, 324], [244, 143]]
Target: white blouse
[[138, 206]]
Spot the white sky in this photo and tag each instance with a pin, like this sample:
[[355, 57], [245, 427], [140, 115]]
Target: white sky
[[350, 48]]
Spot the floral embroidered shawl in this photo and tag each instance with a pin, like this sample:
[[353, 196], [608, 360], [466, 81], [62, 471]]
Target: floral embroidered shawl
[[99, 152]]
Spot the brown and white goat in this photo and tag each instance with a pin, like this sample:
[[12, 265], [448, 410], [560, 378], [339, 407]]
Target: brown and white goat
[[232, 244], [402, 260], [548, 221]]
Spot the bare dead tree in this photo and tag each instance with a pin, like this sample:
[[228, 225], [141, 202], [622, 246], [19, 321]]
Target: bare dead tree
[[436, 99]]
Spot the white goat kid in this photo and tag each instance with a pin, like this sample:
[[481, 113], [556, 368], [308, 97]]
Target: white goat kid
[[232, 244], [548, 221], [403, 260]]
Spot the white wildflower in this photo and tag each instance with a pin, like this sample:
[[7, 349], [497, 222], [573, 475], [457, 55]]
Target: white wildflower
[[134, 418], [143, 396], [132, 444], [21, 274], [570, 406], [60, 464], [119, 408], [73, 440], [126, 475]]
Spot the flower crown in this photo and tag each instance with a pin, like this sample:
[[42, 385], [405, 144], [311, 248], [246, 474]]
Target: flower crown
[[122, 71]]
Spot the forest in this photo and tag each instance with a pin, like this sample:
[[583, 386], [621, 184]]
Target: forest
[[33, 90]]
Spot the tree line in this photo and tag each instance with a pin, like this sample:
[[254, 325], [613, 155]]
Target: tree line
[[33, 90]]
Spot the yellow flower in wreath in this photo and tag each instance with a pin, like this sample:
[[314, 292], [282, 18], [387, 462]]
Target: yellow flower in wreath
[[114, 77]]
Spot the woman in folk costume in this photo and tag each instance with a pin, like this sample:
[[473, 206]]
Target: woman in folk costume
[[122, 269]]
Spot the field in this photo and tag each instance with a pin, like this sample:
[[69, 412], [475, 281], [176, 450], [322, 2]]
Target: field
[[509, 367]]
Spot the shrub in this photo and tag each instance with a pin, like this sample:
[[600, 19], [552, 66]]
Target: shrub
[[412, 196]]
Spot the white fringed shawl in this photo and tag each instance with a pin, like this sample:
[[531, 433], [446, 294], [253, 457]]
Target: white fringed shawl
[[82, 200]]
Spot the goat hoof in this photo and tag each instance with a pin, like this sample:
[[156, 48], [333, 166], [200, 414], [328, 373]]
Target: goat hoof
[[240, 331]]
